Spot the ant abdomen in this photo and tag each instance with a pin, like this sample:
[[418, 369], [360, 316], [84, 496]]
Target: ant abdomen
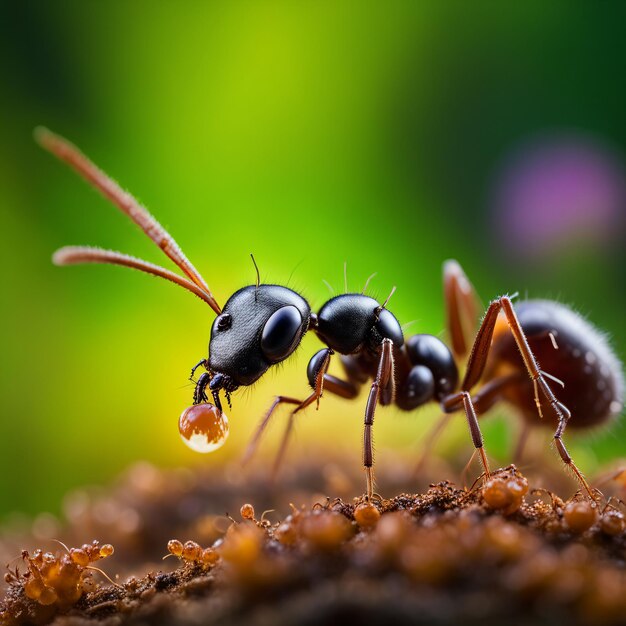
[[567, 348]]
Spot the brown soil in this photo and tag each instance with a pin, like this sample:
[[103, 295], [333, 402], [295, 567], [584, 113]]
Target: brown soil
[[492, 554]]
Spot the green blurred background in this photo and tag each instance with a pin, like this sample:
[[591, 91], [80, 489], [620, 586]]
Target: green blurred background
[[310, 134]]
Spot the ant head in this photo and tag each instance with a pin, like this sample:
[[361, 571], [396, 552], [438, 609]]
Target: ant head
[[258, 327]]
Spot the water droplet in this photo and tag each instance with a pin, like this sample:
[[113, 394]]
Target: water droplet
[[203, 428]]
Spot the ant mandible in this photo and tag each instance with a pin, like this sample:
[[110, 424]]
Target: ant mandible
[[261, 325]]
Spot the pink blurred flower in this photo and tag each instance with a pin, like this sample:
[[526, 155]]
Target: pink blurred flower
[[557, 191]]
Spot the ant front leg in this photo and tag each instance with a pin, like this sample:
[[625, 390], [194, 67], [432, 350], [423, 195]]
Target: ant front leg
[[199, 394], [319, 380], [384, 377], [202, 363]]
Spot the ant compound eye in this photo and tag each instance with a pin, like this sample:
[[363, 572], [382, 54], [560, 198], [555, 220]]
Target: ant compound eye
[[224, 321], [281, 333]]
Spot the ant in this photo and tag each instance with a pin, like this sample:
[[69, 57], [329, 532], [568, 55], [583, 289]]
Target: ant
[[60, 580], [263, 324]]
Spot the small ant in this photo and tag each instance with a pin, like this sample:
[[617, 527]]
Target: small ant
[[191, 552], [263, 324], [60, 580]]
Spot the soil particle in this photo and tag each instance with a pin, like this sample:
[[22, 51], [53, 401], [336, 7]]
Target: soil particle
[[491, 554]]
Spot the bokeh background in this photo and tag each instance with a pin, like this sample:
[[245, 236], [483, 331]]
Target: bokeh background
[[388, 135]]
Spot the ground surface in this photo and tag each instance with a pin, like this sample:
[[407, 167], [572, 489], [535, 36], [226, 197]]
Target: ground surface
[[499, 553]]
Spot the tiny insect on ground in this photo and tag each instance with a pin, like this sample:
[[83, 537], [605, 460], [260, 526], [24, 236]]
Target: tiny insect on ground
[[261, 325], [60, 580]]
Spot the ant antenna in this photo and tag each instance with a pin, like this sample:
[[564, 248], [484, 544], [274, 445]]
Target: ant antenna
[[389, 297], [345, 276], [258, 276], [72, 156], [367, 282]]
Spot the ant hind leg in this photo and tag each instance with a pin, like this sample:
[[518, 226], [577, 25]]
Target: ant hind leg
[[478, 360], [463, 400], [462, 307]]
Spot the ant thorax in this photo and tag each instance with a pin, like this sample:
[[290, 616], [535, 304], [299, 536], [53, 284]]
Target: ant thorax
[[350, 322]]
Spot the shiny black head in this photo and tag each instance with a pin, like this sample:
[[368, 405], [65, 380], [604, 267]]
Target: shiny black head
[[258, 327]]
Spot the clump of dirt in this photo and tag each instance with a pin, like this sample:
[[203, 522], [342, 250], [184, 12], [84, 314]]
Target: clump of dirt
[[498, 552]]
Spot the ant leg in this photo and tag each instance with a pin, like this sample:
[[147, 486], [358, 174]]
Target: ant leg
[[321, 380], [280, 455], [254, 442], [199, 394], [201, 363], [483, 400], [566, 458], [384, 377], [462, 307], [341, 388], [316, 370], [491, 393], [462, 399], [478, 360]]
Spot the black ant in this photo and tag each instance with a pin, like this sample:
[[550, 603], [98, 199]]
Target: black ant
[[262, 325]]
